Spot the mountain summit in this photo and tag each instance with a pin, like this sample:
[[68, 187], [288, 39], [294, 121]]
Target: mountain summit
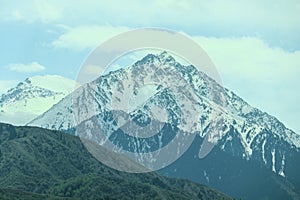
[[245, 133], [32, 97]]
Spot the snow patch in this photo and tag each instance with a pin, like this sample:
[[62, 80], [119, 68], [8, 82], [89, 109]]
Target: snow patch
[[263, 151], [273, 160], [281, 172], [206, 176]]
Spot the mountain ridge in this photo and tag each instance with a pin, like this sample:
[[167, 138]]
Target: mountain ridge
[[246, 132], [235, 105]]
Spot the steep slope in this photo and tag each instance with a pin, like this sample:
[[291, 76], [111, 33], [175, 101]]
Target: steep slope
[[246, 133], [57, 164], [32, 97], [241, 178]]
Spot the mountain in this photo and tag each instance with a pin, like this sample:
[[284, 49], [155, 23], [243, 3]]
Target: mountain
[[32, 97], [37, 163], [242, 134]]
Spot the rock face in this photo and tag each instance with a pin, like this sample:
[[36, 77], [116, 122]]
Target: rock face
[[244, 133]]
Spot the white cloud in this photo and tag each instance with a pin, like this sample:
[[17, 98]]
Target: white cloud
[[26, 68], [251, 57], [31, 11], [47, 12], [274, 20], [218, 14], [83, 37], [147, 13], [266, 77], [17, 15], [93, 69], [113, 67]]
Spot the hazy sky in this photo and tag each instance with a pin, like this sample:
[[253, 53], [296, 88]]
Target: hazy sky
[[255, 45]]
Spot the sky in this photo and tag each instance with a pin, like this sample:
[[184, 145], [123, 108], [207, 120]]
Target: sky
[[255, 45]]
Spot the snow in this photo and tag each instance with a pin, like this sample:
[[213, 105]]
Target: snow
[[281, 172], [263, 151], [206, 176], [60, 119], [273, 160], [142, 96]]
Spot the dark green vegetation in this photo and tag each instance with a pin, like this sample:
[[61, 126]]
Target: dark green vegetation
[[11, 194], [53, 165]]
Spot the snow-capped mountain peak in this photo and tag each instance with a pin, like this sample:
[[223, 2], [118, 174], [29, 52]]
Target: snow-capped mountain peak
[[32, 97], [246, 131]]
